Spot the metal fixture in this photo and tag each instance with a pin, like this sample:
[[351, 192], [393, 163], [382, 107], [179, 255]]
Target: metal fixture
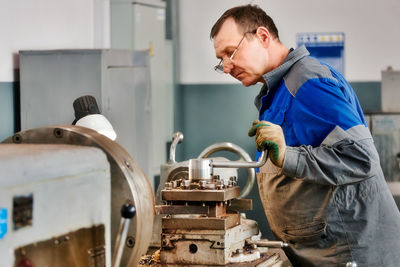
[[227, 146], [202, 169]]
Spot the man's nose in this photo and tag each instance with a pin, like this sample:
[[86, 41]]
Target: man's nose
[[228, 66]]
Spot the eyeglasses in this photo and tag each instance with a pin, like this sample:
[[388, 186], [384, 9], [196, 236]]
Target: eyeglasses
[[220, 67]]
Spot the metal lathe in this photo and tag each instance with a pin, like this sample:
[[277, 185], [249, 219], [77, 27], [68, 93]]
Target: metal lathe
[[72, 197]]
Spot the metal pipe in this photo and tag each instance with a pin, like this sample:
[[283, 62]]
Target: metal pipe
[[200, 169], [241, 164], [121, 237], [177, 138]]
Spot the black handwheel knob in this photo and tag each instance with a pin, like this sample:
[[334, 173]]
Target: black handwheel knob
[[128, 211]]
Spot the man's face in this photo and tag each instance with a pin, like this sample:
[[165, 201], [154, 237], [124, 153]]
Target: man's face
[[250, 60]]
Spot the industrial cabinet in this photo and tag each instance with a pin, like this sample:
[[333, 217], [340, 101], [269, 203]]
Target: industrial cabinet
[[385, 129], [146, 25], [119, 80]]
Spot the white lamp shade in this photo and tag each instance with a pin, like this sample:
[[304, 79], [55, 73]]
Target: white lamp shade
[[98, 123]]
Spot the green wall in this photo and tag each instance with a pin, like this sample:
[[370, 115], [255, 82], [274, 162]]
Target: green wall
[[369, 95], [209, 113]]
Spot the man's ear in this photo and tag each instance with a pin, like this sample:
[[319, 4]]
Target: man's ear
[[264, 36]]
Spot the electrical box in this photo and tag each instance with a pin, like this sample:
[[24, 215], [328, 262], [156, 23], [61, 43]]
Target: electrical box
[[385, 129], [390, 90], [146, 25]]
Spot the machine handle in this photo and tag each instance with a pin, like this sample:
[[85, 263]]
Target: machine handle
[[176, 139], [241, 164], [202, 169], [128, 211]]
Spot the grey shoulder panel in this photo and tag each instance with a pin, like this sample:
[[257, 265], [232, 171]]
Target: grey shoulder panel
[[356, 133], [305, 69]]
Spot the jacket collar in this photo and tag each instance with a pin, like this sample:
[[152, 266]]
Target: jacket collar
[[273, 78]]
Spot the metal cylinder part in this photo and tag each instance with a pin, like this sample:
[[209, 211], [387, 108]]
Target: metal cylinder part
[[200, 169]]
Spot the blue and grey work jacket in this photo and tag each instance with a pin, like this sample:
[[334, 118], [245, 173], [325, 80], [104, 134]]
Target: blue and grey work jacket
[[329, 201]]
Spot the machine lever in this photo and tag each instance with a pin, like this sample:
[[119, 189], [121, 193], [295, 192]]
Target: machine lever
[[176, 139], [128, 211], [267, 243], [241, 164], [202, 169]]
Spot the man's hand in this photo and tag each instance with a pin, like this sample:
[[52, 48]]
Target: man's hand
[[269, 136]]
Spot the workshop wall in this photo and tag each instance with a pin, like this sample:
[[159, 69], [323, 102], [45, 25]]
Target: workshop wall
[[45, 24]]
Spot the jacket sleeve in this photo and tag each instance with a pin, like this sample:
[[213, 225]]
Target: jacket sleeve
[[346, 161], [335, 146]]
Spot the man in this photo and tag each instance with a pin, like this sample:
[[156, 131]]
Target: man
[[322, 189]]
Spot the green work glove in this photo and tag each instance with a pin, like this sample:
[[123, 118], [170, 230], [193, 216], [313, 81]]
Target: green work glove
[[269, 136]]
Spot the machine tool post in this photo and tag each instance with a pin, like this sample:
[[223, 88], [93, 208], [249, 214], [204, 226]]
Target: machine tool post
[[128, 211]]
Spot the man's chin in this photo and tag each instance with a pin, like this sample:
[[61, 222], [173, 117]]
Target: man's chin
[[247, 83], [245, 80]]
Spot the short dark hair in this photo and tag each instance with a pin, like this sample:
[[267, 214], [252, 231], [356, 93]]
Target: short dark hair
[[248, 18]]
